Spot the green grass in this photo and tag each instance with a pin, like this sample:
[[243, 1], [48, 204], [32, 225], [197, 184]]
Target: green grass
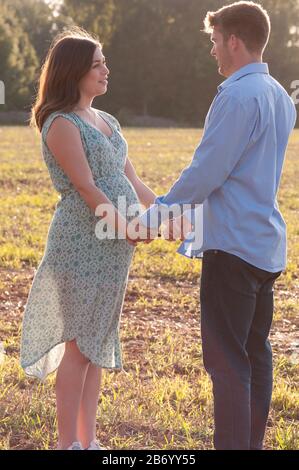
[[163, 397]]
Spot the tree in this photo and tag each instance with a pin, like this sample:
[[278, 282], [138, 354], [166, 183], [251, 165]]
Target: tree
[[158, 56], [160, 59], [282, 51], [38, 20], [96, 16], [18, 61]]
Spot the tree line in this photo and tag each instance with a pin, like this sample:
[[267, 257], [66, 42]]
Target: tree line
[[158, 56]]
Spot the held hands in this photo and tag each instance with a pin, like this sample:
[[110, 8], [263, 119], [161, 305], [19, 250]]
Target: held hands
[[175, 229], [133, 231], [137, 232]]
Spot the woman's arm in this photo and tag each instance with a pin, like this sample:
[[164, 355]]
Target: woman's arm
[[64, 141], [145, 194]]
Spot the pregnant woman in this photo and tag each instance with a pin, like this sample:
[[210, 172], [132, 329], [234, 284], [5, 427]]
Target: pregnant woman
[[71, 320]]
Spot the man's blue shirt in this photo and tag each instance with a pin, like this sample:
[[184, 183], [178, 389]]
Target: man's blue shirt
[[236, 170]]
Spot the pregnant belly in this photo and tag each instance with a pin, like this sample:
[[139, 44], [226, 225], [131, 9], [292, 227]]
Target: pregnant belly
[[121, 193], [117, 188]]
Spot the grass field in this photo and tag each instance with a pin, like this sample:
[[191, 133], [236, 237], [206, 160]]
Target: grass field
[[162, 400]]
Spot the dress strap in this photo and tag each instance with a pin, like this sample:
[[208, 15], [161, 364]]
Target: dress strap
[[47, 124]]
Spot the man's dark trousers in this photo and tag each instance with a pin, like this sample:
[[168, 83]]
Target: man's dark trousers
[[236, 315]]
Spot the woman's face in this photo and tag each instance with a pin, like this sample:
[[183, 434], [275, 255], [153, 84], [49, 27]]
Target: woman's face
[[95, 82]]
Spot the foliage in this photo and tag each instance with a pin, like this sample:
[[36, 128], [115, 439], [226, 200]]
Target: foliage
[[158, 56]]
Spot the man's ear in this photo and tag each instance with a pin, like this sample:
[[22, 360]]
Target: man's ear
[[234, 42]]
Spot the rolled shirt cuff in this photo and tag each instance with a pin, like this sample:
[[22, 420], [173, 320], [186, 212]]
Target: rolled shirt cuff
[[159, 212]]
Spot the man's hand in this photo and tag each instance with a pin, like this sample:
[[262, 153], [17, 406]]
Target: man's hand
[[176, 229]]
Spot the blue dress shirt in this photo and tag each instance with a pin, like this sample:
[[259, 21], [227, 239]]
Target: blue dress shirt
[[236, 170]]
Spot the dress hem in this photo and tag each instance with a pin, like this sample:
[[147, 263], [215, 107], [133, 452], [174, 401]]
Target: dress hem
[[116, 368]]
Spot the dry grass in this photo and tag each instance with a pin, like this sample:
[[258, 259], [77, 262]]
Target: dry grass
[[162, 400]]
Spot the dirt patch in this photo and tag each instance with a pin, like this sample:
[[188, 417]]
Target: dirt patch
[[156, 317]]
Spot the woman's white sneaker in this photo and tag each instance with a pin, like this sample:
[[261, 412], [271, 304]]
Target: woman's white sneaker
[[95, 445], [75, 446]]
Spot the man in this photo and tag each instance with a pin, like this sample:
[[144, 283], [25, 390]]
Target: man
[[235, 174]]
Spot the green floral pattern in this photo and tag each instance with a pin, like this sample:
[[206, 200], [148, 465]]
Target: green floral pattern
[[79, 286]]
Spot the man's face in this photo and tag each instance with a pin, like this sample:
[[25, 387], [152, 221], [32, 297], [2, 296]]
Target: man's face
[[220, 51]]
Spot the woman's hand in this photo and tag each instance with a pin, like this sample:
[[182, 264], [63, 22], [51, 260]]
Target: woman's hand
[[137, 232]]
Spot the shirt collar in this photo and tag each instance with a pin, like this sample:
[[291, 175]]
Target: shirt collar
[[255, 67]]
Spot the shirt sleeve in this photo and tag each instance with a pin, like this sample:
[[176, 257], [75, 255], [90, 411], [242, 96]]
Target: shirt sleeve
[[226, 137]]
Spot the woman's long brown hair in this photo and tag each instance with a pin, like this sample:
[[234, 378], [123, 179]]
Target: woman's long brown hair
[[68, 60]]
